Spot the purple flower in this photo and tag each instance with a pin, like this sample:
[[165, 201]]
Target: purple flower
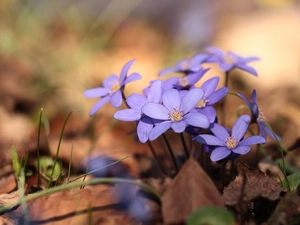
[[184, 82], [175, 112], [230, 60], [112, 88], [211, 97], [186, 65], [226, 143], [258, 116], [136, 102]]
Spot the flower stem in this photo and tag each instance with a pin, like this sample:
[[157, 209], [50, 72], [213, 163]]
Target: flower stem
[[124, 98], [171, 153], [159, 165], [184, 146]]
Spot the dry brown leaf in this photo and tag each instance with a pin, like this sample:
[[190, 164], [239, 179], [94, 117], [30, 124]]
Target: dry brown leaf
[[191, 189], [251, 183]]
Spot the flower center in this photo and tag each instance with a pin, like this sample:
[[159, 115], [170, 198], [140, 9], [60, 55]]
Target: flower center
[[176, 115], [261, 117], [114, 86], [202, 103], [231, 142], [229, 59], [183, 81]]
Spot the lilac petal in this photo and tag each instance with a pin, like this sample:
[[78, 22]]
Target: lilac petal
[[209, 112], [155, 91], [95, 92], [179, 126], [225, 66], [240, 126], [209, 140], [128, 115], [253, 140], [99, 104], [125, 69], [253, 96], [155, 111], [262, 129], [109, 81], [247, 68], [195, 77], [197, 119], [191, 99], [136, 101], [250, 59], [168, 70], [219, 131], [143, 129], [199, 58], [217, 95], [210, 85], [132, 77], [241, 149], [159, 129], [171, 99], [244, 98], [214, 50], [169, 83], [116, 99], [254, 109], [269, 132], [219, 153]]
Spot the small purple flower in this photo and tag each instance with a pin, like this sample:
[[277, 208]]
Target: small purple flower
[[230, 60], [136, 102], [211, 97], [258, 116], [175, 112], [184, 82], [112, 88], [186, 65], [226, 143]]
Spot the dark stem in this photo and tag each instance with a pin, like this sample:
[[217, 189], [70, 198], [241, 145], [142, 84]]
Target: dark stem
[[171, 153], [223, 102], [184, 146], [223, 171], [124, 98], [159, 165]]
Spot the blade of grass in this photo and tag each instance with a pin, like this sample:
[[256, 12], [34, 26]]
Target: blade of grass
[[70, 162], [38, 147]]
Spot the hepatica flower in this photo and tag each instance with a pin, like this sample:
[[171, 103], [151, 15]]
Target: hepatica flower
[[230, 60], [112, 88], [186, 66], [174, 112], [226, 143], [210, 97], [258, 116], [136, 102]]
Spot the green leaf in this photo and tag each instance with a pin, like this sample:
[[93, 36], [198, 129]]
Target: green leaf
[[15, 161], [293, 180], [46, 166], [210, 215]]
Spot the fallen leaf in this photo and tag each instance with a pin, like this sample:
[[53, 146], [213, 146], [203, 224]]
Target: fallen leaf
[[251, 183], [190, 190]]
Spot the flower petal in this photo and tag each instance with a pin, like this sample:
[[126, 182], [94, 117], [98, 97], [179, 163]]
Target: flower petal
[[125, 69], [99, 104], [219, 153], [247, 68], [136, 101], [209, 140], [159, 129], [132, 77], [269, 132], [143, 129], [171, 99], [168, 70], [253, 140], [240, 126], [241, 149], [219, 131], [244, 98], [155, 111], [209, 112], [128, 115], [110, 80], [179, 126], [191, 99], [197, 119], [253, 96], [210, 85], [155, 91], [116, 99], [95, 92], [217, 95]]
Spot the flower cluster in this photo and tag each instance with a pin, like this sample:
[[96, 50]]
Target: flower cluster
[[180, 105]]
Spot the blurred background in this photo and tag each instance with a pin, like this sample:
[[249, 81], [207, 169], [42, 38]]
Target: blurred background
[[51, 51]]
